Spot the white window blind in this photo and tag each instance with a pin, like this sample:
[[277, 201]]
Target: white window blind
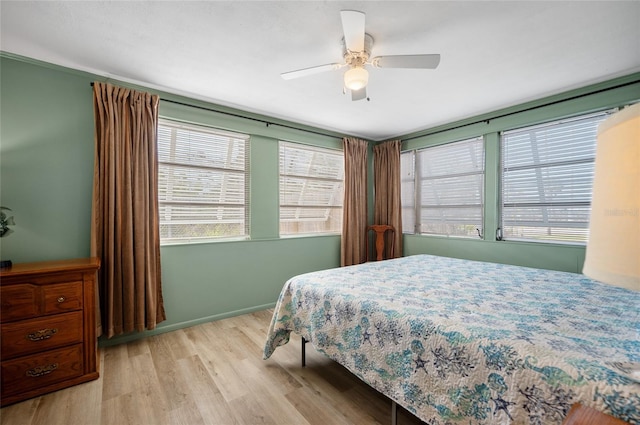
[[547, 176], [448, 189], [311, 189], [408, 191], [203, 183]]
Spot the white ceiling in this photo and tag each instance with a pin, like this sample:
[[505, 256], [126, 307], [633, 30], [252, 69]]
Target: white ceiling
[[494, 54]]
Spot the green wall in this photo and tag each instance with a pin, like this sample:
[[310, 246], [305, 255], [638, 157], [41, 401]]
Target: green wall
[[46, 161], [46, 176], [565, 257], [46, 173]]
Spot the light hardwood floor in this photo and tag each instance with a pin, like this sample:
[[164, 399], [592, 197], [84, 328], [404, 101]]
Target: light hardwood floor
[[211, 374]]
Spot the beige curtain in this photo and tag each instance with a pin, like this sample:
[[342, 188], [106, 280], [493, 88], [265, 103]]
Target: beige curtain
[[125, 224], [387, 208], [354, 218]]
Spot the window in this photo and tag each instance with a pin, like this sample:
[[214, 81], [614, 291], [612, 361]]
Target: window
[[311, 189], [547, 176], [443, 189], [203, 183]]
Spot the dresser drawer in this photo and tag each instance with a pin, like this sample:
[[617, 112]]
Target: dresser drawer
[[19, 302], [38, 370], [62, 297], [28, 300], [47, 327], [31, 336]]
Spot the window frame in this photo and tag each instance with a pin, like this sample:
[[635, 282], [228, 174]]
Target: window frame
[[571, 238], [337, 197], [244, 171], [416, 210]]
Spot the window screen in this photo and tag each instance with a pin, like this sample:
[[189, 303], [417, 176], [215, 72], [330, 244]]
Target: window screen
[[202, 183], [311, 189], [443, 189], [547, 176]]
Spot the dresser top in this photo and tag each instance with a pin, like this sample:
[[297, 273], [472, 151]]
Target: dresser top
[[78, 264]]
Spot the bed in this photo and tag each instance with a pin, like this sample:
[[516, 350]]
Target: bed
[[466, 342]]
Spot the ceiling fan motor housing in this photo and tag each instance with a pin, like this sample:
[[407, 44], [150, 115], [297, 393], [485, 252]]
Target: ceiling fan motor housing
[[358, 59]]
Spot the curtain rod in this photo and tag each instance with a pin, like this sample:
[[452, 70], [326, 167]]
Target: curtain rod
[[267, 123], [555, 102]]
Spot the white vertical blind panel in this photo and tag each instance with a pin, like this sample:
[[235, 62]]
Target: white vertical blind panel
[[407, 191], [449, 196], [547, 177], [311, 189], [466, 156], [203, 183]]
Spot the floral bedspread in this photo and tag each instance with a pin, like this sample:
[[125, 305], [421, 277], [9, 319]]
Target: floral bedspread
[[464, 342]]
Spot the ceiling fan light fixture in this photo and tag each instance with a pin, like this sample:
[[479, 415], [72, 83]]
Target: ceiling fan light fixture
[[356, 78], [356, 51]]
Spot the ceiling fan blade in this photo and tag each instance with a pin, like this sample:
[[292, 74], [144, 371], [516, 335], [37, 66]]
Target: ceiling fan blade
[[353, 28], [359, 94], [407, 61], [310, 71]]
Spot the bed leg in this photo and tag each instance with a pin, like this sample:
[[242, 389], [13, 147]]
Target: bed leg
[[304, 353], [394, 413]]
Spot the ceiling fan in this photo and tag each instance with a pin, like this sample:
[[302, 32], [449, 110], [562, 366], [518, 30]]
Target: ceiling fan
[[356, 51]]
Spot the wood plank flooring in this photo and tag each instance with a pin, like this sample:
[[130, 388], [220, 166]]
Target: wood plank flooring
[[211, 374]]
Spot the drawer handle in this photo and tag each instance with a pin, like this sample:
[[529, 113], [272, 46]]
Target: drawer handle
[[41, 370], [42, 334], [61, 299]]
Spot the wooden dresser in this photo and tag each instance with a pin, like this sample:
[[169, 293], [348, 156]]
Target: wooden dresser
[[47, 327]]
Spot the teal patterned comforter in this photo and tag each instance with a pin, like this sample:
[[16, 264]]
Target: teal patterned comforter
[[464, 342]]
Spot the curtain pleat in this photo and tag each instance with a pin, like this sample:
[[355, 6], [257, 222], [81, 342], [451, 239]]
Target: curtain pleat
[[125, 231], [387, 201], [354, 221]]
